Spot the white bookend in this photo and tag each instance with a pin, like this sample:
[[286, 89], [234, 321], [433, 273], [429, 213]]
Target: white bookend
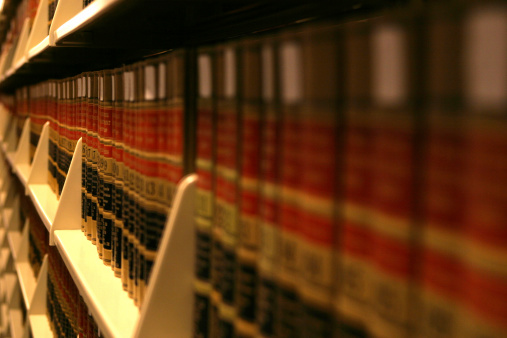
[[65, 10], [168, 304], [39, 322], [43, 198], [22, 157], [68, 213], [4, 121], [26, 277], [20, 54], [9, 144], [38, 39]]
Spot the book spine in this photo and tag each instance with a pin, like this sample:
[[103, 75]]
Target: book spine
[[227, 184], [394, 194], [107, 168], [352, 302], [484, 233], [94, 153], [127, 131], [248, 232], [320, 159], [205, 169], [443, 182], [118, 125], [100, 159], [288, 298], [269, 250]]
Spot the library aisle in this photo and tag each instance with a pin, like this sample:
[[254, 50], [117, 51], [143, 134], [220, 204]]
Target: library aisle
[[253, 168]]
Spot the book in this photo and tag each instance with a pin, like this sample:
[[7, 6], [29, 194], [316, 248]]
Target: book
[[289, 269], [320, 161], [226, 218], [249, 171], [117, 154], [444, 186], [395, 158], [353, 298], [269, 194], [205, 261], [484, 237]]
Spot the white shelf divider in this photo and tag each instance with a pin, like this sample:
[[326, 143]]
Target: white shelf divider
[[11, 280], [43, 198], [4, 121], [65, 11], [37, 315], [82, 17], [20, 54], [27, 281], [167, 306], [38, 40], [9, 144], [22, 164]]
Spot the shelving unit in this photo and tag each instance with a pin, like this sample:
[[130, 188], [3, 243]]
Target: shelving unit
[[105, 33]]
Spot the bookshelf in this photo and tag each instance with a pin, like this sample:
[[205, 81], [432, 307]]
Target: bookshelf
[[108, 33]]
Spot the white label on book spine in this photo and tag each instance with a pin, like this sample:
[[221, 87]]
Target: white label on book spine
[[161, 80], [101, 88], [113, 87], [229, 73], [149, 83], [89, 78], [267, 73], [486, 57], [126, 87], [291, 68], [132, 83], [389, 65], [205, 85], [79, 87]]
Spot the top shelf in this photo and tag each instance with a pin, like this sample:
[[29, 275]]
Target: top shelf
[[109, 33]]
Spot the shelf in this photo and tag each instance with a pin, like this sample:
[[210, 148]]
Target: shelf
[[45, 202], [112, 309], [16, 323], [84, 17]]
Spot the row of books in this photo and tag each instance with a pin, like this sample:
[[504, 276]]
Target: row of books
[[67, 312], [130, 120], [38, 239], [351, 178], [26, 9]]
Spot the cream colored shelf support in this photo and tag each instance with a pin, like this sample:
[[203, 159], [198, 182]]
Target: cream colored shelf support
[[43, 198], [168, 304], [20, 54], [65, 10], [27, 280], [38, 40], [22, 164], [38, 318]]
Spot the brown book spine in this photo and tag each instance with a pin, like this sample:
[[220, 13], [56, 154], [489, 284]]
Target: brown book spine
[[248, 233], [269, 249], [205, 169], [118, 125]]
